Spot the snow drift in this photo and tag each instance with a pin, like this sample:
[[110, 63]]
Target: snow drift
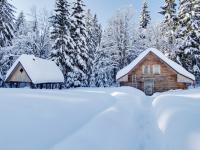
[[100, 119], [178, 117]]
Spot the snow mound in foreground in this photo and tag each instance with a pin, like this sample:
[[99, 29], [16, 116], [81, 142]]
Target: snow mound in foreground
[[99, 119], [178, 117]]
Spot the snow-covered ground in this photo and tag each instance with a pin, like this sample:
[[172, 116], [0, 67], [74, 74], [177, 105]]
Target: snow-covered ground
[[99, 119]]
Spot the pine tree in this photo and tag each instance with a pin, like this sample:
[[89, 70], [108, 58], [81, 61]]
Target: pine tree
[[6, 23], [78, 32], [6, 34], [20, 24], [90, 40], [93, 40], [20, 40], [169, 26], [142, 39], [169, 11], [34, 33], [93, 30], [97, 31], [114, 51], [145, 16], [63, 53], [188, 35], [104, 71]]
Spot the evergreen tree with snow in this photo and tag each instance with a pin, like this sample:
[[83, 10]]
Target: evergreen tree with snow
[[63, 48], [142, 38], [169, 11], [34, 33], [93, 39], [21, 41], [145, 16], [20, 24], [93, 30], [115, 50], [6, 23], [79, 35], [97, 29], [169, 26], [188, 35], [90, 40], [104, 71], [6, 34], [32, 37]]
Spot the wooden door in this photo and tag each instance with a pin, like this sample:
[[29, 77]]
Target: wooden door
[[149, 86]]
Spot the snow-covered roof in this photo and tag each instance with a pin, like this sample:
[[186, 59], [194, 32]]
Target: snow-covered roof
[[39, 70], [179, 69]]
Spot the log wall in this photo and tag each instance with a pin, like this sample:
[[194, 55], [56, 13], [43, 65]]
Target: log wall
[[166, 80]]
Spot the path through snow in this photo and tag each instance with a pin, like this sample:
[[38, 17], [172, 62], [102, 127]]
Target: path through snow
[[126, 125]]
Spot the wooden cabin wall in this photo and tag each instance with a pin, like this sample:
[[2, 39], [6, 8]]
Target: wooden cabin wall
[[34, 86], [18, 76], [167, 80]]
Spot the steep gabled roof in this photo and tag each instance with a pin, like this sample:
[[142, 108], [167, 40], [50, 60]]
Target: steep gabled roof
[[39, 70], [179, 69]]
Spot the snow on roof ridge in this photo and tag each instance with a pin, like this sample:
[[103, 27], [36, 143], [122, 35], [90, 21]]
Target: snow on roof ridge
[[178, 68], [39, 70]]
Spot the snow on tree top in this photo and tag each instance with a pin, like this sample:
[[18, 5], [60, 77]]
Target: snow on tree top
[[39, 70], [179, 69]]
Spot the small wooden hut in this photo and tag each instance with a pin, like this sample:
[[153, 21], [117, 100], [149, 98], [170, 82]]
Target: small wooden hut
[[153, 72], [29, 70]]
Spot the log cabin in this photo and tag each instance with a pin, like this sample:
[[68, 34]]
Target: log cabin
[[153, 72], [34, 72]]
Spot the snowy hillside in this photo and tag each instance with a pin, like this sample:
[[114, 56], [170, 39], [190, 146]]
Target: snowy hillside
[[99, 119]]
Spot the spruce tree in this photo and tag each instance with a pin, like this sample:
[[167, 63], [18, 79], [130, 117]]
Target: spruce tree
[[6, 23], [20, 24], [169, 11], [145, 16], [21, 41], [78, 32], [168, 26], [34, 34], [97, 29], [6, 34], [93, 40], [63, 46], [188, 35], [90, 40], [104, 71]]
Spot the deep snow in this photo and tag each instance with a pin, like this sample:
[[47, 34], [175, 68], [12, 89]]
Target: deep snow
[[99, 119]]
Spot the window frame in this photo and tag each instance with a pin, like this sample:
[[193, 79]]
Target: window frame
[[148, 71], [156, 69]]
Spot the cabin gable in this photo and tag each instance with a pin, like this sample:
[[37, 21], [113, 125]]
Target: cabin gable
[[153, 72], [150, 60], [19, 74]]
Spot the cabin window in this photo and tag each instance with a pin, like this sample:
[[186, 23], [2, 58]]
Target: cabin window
[[21, 70], [146, 69], [156, 69]]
